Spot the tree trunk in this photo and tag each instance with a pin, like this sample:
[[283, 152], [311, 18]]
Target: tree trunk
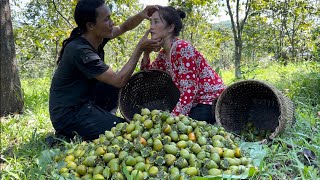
[[237, 59], [237, 28], [11, 95]]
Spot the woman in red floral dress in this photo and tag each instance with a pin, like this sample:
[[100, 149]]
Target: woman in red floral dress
[[198, 83]]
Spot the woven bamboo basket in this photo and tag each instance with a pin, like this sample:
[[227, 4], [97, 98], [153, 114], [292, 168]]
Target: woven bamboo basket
[[152, 89], [257, 102]]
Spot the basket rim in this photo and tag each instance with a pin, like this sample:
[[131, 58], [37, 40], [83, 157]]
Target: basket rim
[[236, 84], [132, 78], [286, 106], [134, 75]]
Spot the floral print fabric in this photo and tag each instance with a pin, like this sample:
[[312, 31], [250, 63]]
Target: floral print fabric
[[191, 73]]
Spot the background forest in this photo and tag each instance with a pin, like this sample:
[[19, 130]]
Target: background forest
[[279, 31], [272, 40]]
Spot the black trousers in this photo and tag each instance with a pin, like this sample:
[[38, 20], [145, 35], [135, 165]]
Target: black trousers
[[105, 96], [93, 118], [203, 112]]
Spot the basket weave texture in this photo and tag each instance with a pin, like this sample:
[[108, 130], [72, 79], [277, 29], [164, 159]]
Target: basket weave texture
[[257, 102], [152, 89]]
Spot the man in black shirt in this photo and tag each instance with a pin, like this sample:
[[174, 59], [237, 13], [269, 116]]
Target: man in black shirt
[[84, 89]]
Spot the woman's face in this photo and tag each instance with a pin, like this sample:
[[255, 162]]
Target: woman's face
[[104, 24], [158, 27]]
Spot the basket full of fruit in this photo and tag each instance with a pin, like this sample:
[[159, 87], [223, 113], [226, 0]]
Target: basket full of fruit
[[152, 89], [254, 107]]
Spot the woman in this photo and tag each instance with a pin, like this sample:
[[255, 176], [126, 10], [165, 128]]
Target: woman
[[198, 83], [73, 104]]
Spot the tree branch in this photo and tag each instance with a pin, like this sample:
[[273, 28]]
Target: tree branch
[[247, 10], [237, 17], [232, 21], [55, 7]]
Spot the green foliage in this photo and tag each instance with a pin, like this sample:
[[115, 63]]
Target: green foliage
[[42, 26], [316, 45], [39, 33], [307, 85], [282, 28], [38, 96]]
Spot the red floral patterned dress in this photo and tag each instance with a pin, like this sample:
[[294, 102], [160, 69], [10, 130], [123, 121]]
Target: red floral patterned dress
[[191, 73]]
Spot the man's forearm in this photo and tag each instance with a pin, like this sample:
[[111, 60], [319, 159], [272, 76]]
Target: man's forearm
[[127, 70], [132, 22]]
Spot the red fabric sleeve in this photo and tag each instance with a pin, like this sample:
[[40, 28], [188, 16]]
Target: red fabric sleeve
[[158, 63]]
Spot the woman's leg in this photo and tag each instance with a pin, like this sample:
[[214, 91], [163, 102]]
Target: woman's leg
[[90, 121], [202, 112]]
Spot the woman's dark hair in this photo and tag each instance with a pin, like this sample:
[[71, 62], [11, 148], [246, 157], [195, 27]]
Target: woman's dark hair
[[85, 12], [172, 16]]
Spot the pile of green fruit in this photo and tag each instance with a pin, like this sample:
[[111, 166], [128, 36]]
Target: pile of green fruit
[[252, 134], [156, 145]]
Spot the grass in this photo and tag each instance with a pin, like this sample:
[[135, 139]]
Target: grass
[[23, 136]]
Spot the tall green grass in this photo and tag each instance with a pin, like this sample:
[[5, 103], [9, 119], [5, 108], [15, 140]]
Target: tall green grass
[[23, 136]]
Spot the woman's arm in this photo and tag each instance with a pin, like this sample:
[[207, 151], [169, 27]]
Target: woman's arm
[[158, 63], [145, 62]]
